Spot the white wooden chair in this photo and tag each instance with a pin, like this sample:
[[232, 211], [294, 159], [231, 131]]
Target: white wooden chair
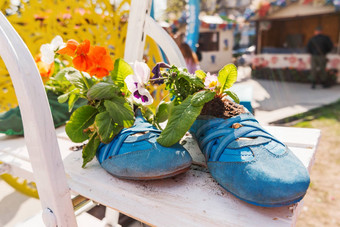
[[191, 199]]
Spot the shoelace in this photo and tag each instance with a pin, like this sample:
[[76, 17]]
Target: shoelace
[[141, 125], [222, 129]]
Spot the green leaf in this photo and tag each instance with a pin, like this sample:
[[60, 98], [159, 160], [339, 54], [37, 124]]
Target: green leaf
[[192, 79], [227, 76], [107, 129], [181, 118], [56, 68], [63, 98], [121, 70], [89, 151], [147, 113], [202, 97], [81, 119], [102, 91], [75, 78], [120, 111], [200, 74], [162, 112], [61, 74], [233, 96], [72, 100]]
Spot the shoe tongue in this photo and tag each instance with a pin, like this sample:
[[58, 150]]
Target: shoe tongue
[[141, 124], [139, 118], [146, 136], [248, 142]]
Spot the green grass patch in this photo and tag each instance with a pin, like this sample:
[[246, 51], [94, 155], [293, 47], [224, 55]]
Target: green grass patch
[[328, 114]]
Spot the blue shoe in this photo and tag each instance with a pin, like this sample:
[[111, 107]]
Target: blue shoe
[[249, 162], [136, 156]]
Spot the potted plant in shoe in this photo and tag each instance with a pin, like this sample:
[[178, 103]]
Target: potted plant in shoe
[[124, 142], [241, 156]]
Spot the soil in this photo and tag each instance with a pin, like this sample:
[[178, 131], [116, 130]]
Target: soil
[[222, 108]]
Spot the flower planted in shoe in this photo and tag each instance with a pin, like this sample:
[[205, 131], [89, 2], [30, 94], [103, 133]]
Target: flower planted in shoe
[[249, 162], [135, 154], [243, 158]]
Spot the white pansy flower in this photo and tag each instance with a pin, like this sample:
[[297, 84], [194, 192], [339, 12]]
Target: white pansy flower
[[48, 50]]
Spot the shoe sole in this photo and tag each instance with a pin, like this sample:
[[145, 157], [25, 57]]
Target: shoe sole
[[185, 169], [285, 203]]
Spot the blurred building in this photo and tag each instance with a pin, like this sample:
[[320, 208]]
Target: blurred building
[[282, 37], [215, 43]]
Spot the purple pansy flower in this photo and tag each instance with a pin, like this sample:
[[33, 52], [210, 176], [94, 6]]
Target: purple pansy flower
[[157, 72], [136, 84]]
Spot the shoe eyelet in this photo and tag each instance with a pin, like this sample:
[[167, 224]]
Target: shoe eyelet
[[236, 125]]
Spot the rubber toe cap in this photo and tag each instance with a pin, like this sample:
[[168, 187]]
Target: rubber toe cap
[[269, 180], [157, 162]]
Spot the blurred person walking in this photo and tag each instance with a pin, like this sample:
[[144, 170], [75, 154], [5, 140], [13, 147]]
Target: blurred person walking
[[190, 57], [319, 46]]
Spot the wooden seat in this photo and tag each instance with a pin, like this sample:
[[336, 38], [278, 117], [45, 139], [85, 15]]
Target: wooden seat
[[194, 198], [191, 199]]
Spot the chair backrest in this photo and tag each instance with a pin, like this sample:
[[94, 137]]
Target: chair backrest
[[140, 25], [40, 136]]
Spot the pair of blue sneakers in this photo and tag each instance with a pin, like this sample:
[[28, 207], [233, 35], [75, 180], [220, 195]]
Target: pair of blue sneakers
[[243, 158]]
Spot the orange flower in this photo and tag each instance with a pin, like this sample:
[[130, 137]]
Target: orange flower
[[81, 60], [94, 60], [70, 49], [102, 62], [45, 70]]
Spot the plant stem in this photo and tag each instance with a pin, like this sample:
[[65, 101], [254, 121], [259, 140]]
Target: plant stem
[[158, 126], [85, 80], [59, 61], [159, 78]]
